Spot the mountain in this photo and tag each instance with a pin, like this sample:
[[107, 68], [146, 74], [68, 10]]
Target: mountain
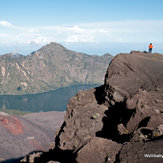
[[119, 121], [20, 135], [53, 66]]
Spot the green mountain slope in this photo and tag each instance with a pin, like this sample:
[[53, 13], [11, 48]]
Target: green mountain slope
[[53, 66]]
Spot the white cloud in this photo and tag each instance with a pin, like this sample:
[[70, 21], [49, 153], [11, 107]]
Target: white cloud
[[6, 24], [33, 30], [39, 39], [113, 31], [3, 35], [80, 38]]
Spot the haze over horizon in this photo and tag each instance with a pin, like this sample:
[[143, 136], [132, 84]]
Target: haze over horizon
[[93, 27]]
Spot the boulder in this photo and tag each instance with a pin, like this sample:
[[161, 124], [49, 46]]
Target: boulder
[[83, 119], [98, 150], [128, 73]]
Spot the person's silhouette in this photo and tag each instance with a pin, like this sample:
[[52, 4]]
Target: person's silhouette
[[150, 47]]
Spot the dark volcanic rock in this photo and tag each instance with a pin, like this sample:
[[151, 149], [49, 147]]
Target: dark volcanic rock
[[98, 150], [147, 111], [137, 152], [136, 80], [125, 112], [83, 119], [128, 73]]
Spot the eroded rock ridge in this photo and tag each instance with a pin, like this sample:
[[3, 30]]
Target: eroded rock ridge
[[119, 121]]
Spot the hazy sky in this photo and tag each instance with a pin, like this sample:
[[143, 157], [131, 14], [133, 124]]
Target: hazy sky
[[91, 26]]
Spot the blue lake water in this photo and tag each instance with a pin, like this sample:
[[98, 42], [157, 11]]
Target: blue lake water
[[53, 100]]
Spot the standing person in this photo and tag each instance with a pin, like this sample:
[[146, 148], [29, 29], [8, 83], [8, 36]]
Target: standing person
[[150, 47]]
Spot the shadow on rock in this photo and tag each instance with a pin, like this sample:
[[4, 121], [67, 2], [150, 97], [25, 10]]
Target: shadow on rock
[[117, 114], [62, 156], [11, 160], [144, 122], [100, 94]]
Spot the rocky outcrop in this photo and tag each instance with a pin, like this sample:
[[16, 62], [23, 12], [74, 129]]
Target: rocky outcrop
[[98, 150], [122, 117], [83, 119], [130, 72]]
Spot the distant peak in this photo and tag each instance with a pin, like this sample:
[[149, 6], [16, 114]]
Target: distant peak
[[13, 55], [54, 44], [107, 54]]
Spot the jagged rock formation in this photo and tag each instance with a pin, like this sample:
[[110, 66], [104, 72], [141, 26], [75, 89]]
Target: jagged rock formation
[[53, 66], [22, 135], [118, 121]]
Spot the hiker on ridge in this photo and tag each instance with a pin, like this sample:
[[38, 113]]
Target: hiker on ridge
[[150, 47]]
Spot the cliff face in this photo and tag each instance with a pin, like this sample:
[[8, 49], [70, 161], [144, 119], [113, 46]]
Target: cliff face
[[118, 121], [53, 66]]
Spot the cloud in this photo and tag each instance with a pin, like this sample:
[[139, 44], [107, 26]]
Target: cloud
[[95, 32], [80, 38], [6, 24], [3, 35], [39, 39]]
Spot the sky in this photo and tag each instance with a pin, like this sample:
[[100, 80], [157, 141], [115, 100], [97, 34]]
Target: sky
[[89, 26]]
